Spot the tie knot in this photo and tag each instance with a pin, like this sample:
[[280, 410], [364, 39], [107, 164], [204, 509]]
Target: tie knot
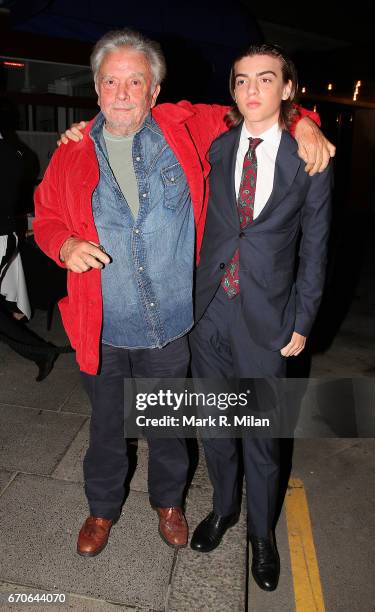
[[254, 142]]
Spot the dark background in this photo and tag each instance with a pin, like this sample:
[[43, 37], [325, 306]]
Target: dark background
[[329, 42]]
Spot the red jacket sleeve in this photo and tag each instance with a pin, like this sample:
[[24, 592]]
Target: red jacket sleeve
[[50, 227], [303, 112]]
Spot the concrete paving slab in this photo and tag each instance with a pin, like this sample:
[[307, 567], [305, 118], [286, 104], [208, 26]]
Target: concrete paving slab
[[5, 477], [73, 602], [34, 441], [281, 600], [70, 466], [345, 360], [216, 581], [18, 386], [142, 443], [78, 401], [41, 520], [339, 481], [139, 479]]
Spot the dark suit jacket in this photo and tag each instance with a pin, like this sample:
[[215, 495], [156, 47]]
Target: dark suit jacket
[[280, 292]]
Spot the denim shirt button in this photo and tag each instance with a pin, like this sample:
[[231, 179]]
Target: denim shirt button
[[140, 268], [137, 159], [144, 195], [136, 231], [152, 304]]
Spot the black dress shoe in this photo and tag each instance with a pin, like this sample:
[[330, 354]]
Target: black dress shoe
[[46, 362], [45, 366], [208, 535], [265, 566]]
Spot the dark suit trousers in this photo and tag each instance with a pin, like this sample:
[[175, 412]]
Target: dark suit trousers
[[106, 463], [223, 348]]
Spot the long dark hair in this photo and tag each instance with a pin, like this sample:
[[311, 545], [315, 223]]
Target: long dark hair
[[289, 73]]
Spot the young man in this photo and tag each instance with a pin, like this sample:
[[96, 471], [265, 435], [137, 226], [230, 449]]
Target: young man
[[252, 309], [136, 184]]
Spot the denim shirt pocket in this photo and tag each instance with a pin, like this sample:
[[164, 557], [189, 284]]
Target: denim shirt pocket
[[174, 183]]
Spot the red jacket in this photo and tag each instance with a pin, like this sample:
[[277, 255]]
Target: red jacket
[[63, 209]]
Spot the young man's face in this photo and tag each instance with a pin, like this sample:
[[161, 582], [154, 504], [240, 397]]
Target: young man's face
[[259, 90], [125, 92]]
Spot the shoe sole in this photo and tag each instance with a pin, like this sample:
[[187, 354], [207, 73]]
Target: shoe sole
[[91, 554], [235, 521]]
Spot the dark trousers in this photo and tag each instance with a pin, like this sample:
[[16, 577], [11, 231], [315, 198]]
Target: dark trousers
[[106, 463], [222, 347]]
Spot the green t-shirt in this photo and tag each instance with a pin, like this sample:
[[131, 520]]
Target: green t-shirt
[[119, 149]]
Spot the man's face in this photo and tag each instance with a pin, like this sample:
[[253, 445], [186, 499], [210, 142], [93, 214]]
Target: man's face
[[259, 90], [125, 92]]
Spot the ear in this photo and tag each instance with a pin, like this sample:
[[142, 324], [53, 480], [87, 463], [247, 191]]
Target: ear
[[155, 95], [286, 90]]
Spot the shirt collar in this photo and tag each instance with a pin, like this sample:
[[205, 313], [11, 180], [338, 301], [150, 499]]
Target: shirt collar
[[271, 136]]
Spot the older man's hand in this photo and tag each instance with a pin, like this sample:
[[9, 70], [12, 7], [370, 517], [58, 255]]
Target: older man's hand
[[313, 146], [73, 133], [82, 255]]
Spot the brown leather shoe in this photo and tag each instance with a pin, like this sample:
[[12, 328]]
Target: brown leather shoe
[[173, 527], [93, 536]]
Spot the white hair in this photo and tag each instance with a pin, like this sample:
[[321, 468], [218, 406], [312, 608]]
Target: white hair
[[117, 39]]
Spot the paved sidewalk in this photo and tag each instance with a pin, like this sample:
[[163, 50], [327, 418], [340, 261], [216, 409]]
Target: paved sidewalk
[[44, 434], [43, 437]]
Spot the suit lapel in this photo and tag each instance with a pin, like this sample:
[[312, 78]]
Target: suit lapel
[[286, 168], [228, 160]]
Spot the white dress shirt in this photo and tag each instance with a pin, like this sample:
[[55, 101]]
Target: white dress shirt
[[266, 153]]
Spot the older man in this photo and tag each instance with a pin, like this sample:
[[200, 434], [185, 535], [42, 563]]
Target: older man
[[121, 211]]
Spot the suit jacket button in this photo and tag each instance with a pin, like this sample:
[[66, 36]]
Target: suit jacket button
[[241, 235], [222, 266]]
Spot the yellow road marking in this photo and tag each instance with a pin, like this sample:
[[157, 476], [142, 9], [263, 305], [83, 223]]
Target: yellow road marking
[[306, 580]]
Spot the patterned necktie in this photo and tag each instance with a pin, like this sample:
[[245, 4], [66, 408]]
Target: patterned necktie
[[245, 205]]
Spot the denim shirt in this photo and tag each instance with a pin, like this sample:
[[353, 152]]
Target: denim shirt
[[147, 288]]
